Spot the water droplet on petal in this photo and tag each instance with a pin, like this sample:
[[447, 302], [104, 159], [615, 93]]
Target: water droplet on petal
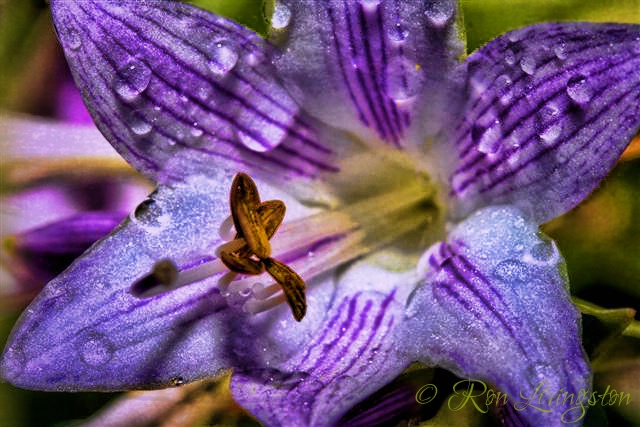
[[490, 141], [147, 213], [549, 123], [579, 90], [635, 46], [252, 59], [439, 13], [560, 51], [252, 143], [398, 33], [528, 64], [543, 254], [551, 134], [511, 271], [281, 16], [403, 79], [504, 88], [131, 80], [541, 371], [73, 39], [97, 350], [196, 131], [509, 57], [139, 125], [222, 58]]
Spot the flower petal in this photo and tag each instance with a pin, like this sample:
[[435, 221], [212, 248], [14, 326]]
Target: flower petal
[[179, 91], [368, 66], [550, 109], [495, 307], [354, 352], [85, 331]]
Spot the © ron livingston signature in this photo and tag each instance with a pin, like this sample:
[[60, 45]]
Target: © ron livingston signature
[[573, 405]]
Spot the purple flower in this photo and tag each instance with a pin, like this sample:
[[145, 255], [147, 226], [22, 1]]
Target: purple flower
[[359, 116]]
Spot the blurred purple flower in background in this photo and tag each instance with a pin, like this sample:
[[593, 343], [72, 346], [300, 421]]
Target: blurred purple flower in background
[[360, 117]]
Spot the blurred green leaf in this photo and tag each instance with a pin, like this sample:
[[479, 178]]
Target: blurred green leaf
[[487, 19], [246, 12]]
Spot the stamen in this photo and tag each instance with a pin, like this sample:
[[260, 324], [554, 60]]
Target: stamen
[[244, 200], [226, 230], [163, 275], [240, 264], [310, 246], [253, 306], [292, 285]]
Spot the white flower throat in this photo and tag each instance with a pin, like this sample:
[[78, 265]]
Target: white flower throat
[[380, 202]]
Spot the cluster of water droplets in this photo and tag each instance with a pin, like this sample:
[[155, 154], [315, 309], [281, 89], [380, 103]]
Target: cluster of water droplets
[[518, 77]]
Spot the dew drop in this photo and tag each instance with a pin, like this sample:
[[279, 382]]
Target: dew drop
[[196, 131], [131, 80], [251, 143], [139, 125], [97, 350], [560, 51], [528, 65], [439, 13], [549, 123], [403, 79], [490, 141], [73, 39], [398, 33], [504, 88], [635, 46], [541, 371], [281, 16], [509, 57], [147, 213], [511, 271], [223, 58], [543, 254], [579, 90], [551, 134], [252, 59], [345, 382]]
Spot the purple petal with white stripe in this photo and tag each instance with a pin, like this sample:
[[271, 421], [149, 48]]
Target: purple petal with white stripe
[[494, 306], [550, 108], [180, 91], [375, 68], [356, 350]]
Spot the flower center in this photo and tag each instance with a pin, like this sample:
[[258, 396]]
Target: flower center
[[379, 203]]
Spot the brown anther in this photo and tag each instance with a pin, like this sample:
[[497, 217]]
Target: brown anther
[[245, 200], [292, 285], [240, 264], [165, 272], [249, 253]]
